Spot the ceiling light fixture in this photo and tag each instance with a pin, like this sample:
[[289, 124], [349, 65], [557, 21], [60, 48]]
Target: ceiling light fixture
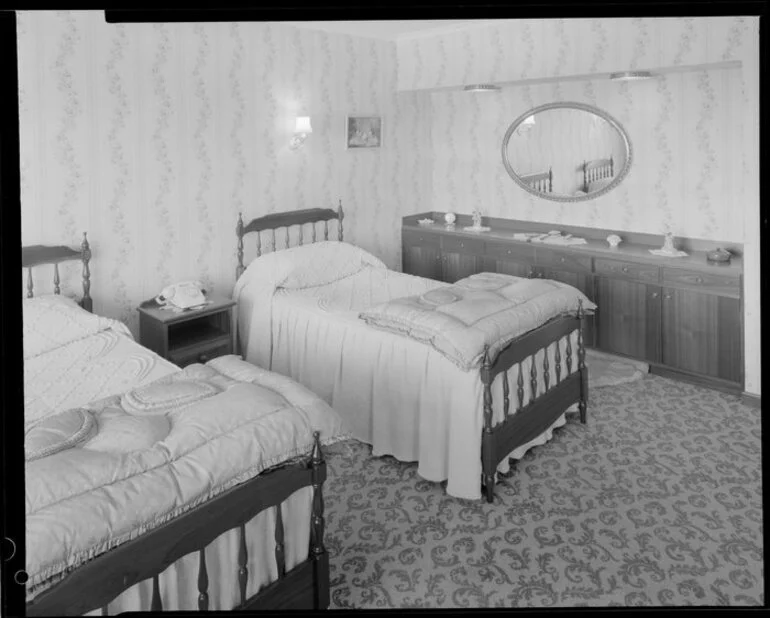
[[630, 75], [481, 88]]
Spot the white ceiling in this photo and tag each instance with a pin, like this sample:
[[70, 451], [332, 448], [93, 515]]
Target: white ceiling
[[390, 30]]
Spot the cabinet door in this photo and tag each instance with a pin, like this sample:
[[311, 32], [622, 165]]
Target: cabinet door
[[702, 334], [421, 257], [517, 268], [459, 265], [628, 318], [581, 281]]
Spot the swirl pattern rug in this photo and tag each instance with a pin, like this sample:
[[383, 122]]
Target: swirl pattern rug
[[656, 501]]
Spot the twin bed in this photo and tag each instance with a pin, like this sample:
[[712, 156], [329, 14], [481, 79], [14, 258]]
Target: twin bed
[[151, 487]]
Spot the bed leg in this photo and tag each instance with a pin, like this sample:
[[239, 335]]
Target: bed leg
[[317, 549], [488, 463], [582, 403]]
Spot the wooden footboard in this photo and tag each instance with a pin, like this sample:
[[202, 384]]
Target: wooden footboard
[[99, 581], [531, 420]]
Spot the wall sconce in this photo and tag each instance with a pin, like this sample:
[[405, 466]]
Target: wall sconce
[[301, 130]]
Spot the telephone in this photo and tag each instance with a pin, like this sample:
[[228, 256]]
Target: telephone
[[182, 295]]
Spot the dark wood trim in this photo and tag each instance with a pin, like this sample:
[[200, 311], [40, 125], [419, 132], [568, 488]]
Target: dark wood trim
[[755, 401], [509, 226], [99, 581], [40, 255], [692, 378], [287, 219], [529, 343]]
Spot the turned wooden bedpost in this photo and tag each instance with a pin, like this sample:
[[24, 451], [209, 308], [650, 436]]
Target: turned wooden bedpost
[[582, 364], [488, 462], [239, 231], [340, 216], [317, 549], [85, 255]]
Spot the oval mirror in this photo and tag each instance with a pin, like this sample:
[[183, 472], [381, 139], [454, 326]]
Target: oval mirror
[[566, 152]]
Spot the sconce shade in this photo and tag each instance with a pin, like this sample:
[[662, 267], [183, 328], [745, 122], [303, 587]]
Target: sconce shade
[[303, 125]]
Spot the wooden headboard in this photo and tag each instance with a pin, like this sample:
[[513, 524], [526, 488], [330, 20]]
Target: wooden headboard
[[597, 169], [38, 255], [542, 182], [286, 220]]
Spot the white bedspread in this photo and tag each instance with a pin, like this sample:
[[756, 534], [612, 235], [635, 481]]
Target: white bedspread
[[176, 443], [399, 395]]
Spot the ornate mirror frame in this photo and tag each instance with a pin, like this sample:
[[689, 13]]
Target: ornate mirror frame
[[569, 105]]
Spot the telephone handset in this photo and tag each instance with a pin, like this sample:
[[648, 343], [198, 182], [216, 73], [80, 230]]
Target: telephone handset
[[182, 295]]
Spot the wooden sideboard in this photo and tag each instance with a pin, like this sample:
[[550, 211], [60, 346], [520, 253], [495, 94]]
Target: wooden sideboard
[[683, 316]]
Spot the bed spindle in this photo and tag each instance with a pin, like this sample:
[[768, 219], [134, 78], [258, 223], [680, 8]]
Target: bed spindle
[[340, 215], [85, 255], [569, 354], [506, 395], [239, 231], [582, 364], [300, 233], [312, 227], [287, 237], [533, 376], [29, 283], [326, 230], [520, 386], [280, 558], [203, 582], [557, 358], [259, 243], [546, 376], [272, 231], [488, 466], [56, 281], [317, 529], [155, 604], [243, 570]]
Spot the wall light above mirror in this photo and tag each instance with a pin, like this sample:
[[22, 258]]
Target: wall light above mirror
[[566, 152]]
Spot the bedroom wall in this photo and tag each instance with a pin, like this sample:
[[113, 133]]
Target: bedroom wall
[[695, 137], [152, 137]]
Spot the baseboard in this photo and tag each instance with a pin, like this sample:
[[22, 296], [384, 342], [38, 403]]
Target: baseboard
[[755, 401], [708, 382]]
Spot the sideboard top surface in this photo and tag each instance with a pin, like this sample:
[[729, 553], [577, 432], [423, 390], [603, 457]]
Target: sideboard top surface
[[633, 250]]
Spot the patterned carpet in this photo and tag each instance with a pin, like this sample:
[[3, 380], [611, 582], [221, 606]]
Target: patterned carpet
[[655, 502]]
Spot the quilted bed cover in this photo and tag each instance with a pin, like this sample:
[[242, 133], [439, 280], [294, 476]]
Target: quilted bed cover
[[99, 473], [400, 395]]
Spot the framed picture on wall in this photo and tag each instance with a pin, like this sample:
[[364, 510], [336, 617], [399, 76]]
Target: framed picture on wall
[[363, 132]]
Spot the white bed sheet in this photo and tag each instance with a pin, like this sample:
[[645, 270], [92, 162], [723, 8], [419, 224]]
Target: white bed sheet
[[399, 395], [109, 363]]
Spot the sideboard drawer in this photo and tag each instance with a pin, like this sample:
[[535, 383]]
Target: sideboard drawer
[[417, 237], [704, 282], [460, 244], [502, 250], [629, 270], [560, 259]]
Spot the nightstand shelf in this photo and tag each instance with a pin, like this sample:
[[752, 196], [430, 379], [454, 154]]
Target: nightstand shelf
[[194, 336]]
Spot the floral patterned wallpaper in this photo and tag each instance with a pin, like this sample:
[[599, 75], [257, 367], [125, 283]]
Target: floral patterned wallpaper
[[152, 137]]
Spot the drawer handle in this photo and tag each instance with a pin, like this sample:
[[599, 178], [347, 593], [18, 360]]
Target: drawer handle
[[698, 279], [667, 297], [462, 245], [204, 358], [654, 294], [561, 259], [509, 252], [625, 269]]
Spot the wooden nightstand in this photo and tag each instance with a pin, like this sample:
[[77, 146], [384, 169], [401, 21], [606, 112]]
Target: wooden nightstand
[[194, 336]]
